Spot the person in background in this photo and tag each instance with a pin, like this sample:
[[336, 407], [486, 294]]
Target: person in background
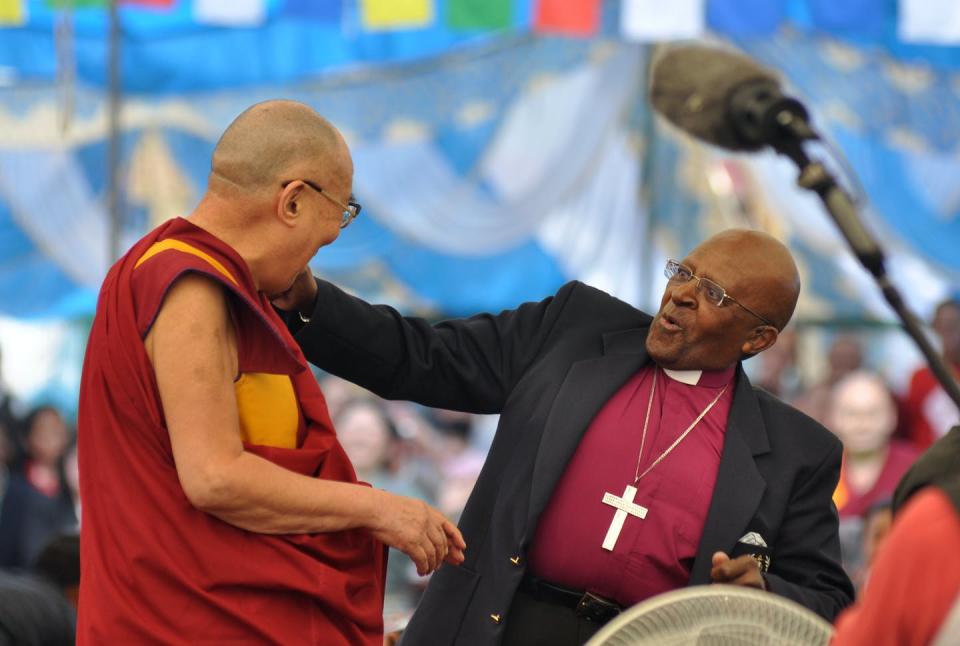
[[861, 411], [912, 596], [9, 422], [371, 442], [913, 593], [863, 414], [59, 565], [876, 525], [845, 356], [46, 440], [338, 393], [38, 503], [777, 371], [34, 613], [929, 411]]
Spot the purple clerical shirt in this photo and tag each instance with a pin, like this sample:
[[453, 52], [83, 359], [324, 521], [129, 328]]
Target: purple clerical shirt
[[655, 554]]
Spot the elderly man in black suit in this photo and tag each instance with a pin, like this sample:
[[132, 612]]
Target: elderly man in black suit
[[632, 456]]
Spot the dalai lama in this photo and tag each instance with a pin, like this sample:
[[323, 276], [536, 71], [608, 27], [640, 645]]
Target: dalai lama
[[218, 505]]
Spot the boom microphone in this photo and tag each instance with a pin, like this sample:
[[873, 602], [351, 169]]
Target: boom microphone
[[726, 99], [729, 100]]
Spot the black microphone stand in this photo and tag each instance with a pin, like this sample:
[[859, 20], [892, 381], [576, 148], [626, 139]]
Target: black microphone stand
[[786, 129]]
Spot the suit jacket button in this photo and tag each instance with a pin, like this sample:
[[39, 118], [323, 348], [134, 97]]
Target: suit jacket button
[[515, 560], [495, 618]]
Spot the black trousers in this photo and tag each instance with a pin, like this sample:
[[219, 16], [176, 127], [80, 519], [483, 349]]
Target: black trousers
[[531, 622]]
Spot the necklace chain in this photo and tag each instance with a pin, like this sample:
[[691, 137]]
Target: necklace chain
[[646, 421]]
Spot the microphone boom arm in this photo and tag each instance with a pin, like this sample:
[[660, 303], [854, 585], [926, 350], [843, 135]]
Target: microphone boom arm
[[815, 177]]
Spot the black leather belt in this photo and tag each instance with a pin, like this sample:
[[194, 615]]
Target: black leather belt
[[585, 604]]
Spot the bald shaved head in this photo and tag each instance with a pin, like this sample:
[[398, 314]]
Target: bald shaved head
[[280, 180], [272, 140], [768, 269]]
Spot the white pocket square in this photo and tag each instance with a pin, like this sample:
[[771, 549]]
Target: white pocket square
[[753, 538]]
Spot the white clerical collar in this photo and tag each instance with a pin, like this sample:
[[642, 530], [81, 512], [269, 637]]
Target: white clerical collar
[[689, 377]]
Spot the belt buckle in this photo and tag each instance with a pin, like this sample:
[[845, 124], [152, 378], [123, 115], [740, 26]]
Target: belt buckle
[[597, 609]]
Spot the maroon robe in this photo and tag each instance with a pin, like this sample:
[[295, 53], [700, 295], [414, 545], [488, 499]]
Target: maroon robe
[[155, 568]]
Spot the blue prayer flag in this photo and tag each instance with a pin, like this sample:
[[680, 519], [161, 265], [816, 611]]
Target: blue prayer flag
[[317, 10], [745, 17]]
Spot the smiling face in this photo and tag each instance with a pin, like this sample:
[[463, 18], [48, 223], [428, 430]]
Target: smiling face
[[690, 333]]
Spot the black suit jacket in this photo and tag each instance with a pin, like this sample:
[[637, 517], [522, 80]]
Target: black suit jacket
[[547, 368]]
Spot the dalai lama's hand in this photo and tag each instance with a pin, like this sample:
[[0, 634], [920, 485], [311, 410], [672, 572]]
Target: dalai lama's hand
[[742, 570], [300, 296], [419, 531]]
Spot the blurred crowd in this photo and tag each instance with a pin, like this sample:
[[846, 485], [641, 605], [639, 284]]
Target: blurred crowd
[[437, 455], [39, 523], [883, 431]]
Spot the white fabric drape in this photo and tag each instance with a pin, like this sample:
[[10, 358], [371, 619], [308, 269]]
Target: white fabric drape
[[597, 236], [929, 21], [548, 149], [51, 200]]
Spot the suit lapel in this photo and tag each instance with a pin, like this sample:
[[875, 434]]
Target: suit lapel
[[589, 384], [739, 486]]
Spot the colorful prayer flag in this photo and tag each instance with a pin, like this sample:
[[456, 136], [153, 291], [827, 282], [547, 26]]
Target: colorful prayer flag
[[652, 20], [930, 21], [395, 14], [570, 17], [155, 4], [230, 13], [317, 10], [76, 4], [479, 14], [13, 12]]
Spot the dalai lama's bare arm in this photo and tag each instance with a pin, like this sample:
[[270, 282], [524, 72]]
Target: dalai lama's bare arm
[[193, 351]]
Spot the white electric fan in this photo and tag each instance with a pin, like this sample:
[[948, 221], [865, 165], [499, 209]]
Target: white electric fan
[[715, 615]]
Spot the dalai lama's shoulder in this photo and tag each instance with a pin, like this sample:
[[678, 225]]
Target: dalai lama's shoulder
[[790, 430]]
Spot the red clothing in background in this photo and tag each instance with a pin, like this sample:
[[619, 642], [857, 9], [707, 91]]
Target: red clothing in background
[[930, 413], [155, 568], [900, 457], [914, 580], [655, 554]]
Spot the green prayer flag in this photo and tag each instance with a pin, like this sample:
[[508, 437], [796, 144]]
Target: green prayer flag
[[479, 14], [77, 4]]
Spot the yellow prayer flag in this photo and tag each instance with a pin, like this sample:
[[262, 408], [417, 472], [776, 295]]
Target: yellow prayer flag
[[395, 14], [13, 12]]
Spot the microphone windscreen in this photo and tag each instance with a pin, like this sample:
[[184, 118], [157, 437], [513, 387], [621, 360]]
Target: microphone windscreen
[[691, 85]]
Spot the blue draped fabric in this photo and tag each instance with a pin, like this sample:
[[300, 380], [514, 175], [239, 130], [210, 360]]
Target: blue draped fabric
[[899, 123]]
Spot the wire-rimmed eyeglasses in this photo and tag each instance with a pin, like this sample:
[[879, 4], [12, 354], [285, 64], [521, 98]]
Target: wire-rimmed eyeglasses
[[714, 293], [350, 210]]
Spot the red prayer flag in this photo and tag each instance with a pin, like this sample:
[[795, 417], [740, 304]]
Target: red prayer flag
[[158, 4], [570, 17]]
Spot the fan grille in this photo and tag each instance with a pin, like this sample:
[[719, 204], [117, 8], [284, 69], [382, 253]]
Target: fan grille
[[716, 615]]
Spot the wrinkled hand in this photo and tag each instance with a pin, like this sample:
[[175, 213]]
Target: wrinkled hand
[[419, 531], [299, 297], [742, 570]]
